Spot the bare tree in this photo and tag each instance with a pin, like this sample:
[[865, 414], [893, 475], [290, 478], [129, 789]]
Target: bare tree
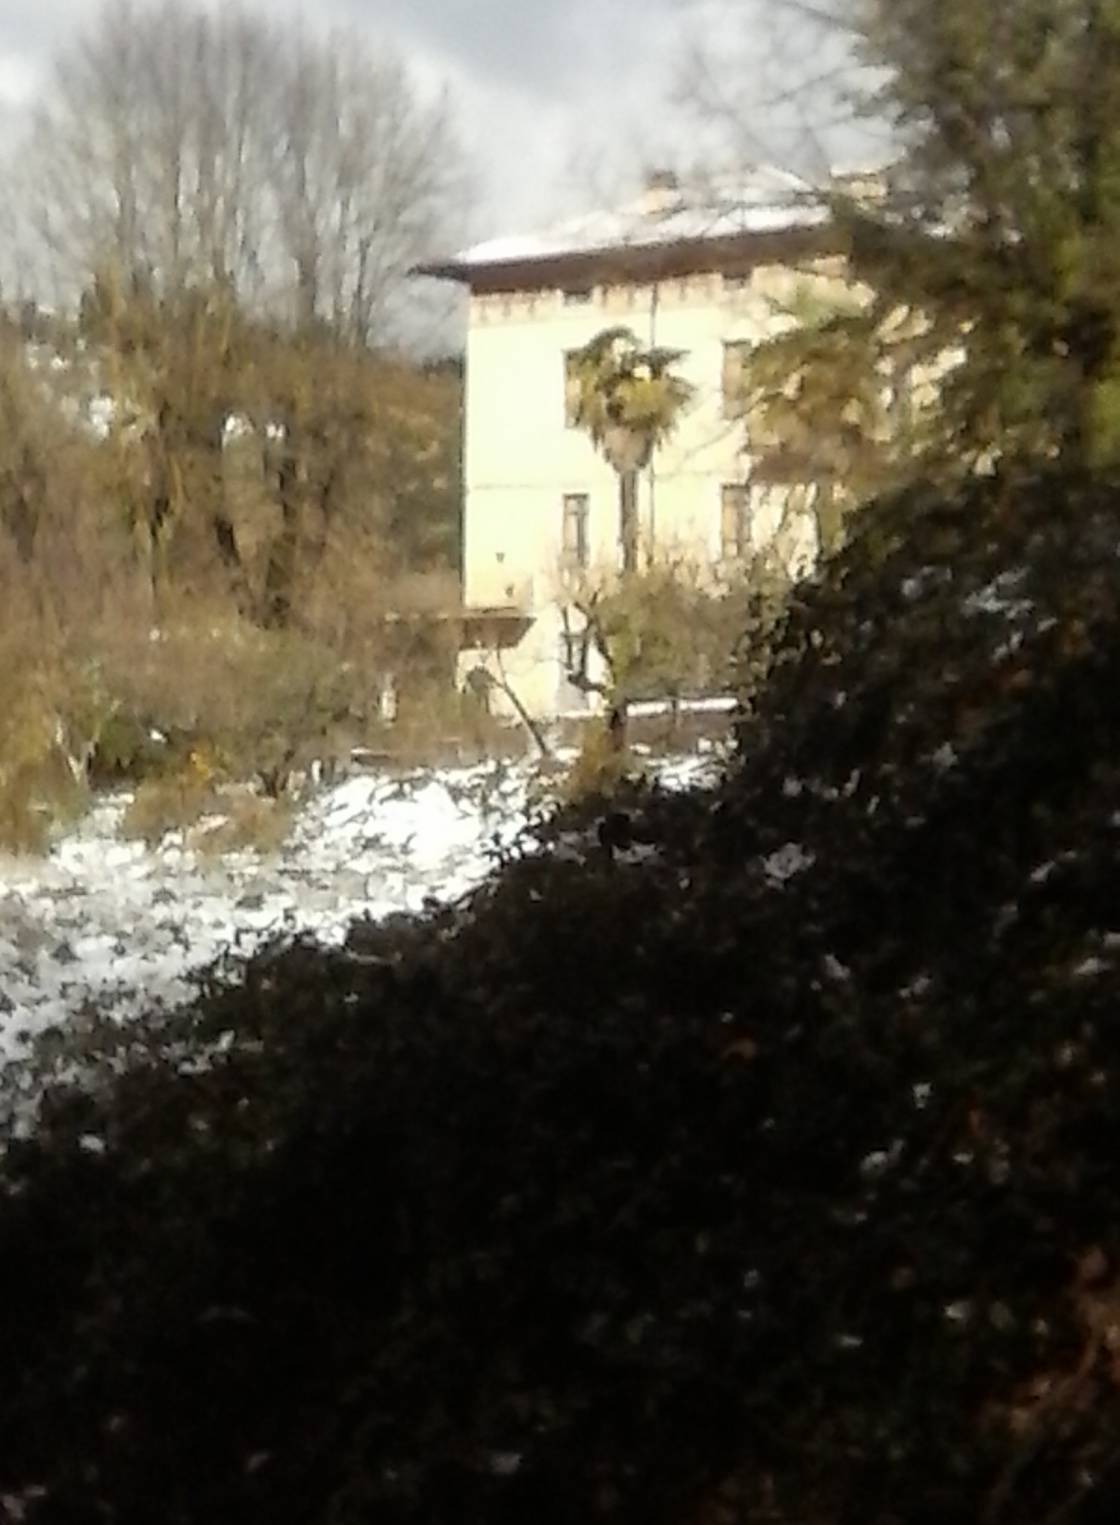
[[303, 176], [149, 153], [238, 207], [366, 177]]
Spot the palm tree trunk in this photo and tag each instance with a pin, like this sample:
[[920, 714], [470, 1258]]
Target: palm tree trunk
[[628, 519]]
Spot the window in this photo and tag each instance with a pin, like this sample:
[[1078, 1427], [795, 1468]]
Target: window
[[573, 539], [735, 356], [734, 521], [573, 651], [571, 389], [578, 296], [573, 655]]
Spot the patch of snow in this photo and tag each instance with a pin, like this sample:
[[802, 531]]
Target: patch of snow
[[236, 427], [997, 597], [913, 587], [690, 772], [879, 1161], [1009, 647], [505, 1463], [875, 1164], [722, 704], [102, 411], [768, 200], [786, 862], [835, 969], [641, 852], [1090, 967], [111, 921], [919, 986]]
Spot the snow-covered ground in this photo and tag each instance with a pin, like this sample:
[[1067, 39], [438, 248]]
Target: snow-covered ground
[[108, 919]]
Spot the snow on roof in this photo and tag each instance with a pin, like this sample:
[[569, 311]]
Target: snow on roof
[[767, 200]]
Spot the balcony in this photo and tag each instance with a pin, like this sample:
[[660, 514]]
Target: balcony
[[498, 610]]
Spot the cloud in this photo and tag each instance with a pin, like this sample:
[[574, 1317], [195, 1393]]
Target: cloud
[[551, 48], [554, 95], [20, 79]]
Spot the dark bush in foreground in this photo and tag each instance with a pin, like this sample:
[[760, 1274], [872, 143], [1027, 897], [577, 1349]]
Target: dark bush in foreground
[[772, 1176]]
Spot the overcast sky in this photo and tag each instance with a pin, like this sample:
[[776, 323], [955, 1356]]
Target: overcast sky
[[562, 100]]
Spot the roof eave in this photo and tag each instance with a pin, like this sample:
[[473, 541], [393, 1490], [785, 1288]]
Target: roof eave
[[634, 261], [443, 270]]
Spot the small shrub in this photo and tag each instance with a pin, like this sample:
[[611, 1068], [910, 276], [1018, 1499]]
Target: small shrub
[[174, 803], [601, 768], [38, 789], [127, 751], [251, 823], [24, 827], [437, 726]]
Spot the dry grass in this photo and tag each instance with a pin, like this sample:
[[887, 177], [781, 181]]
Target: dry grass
[[600, 768], [251, 823], [175, 803]]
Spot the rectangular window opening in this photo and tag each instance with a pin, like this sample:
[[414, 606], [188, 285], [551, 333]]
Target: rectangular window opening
[[571, 389], [574, 541], [735, 521], [736, 353]]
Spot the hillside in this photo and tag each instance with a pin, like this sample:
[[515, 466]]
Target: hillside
[[764, 1173]]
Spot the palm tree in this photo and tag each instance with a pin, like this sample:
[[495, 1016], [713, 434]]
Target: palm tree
[[830, 407], [628, 399]]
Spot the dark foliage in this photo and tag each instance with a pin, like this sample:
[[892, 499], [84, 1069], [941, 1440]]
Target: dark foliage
[[772, 1176]]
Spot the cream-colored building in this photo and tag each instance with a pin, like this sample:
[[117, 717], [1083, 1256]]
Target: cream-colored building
[[706, 275]]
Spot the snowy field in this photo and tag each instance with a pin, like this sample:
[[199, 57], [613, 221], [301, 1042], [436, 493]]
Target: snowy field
[[111, 920]]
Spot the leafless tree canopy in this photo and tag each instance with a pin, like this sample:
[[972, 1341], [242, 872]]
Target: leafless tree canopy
[[303, 175], [781, 81]]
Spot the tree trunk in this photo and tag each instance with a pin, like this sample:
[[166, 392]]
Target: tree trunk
[[617, 717], [628, 519], [1090, 327], [283, 554], [829, 514], [536, 733], [23, 495], [209, 449]]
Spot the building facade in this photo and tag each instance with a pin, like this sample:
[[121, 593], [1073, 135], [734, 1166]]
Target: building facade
[[707, 276]]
